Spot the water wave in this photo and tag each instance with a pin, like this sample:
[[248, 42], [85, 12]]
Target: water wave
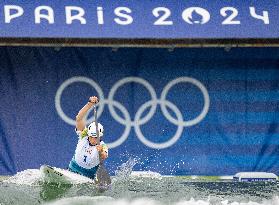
[[103, 200], [146, 174], [26, 177], [35, 176], [82, 200]]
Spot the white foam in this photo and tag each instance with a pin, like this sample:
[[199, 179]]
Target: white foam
[[146, 174], [80, 200], [274, 201], [103, 200], [34, 176], [26, 177]]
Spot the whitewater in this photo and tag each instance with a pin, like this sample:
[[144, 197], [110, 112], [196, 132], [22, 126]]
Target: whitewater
[[131, 187]]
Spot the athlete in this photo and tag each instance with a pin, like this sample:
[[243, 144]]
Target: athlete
[[87, 155]]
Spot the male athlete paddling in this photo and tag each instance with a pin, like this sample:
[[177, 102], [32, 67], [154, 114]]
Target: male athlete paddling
[[87, 155]]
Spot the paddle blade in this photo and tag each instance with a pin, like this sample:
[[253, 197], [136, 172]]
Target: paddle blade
[[102, 175]]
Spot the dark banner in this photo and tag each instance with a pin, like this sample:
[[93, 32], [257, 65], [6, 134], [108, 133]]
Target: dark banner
[[235, 19], [182, 111]]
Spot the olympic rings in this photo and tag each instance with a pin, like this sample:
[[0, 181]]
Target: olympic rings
[[68, 82], [128, 80], [138, 121], [205, 96]]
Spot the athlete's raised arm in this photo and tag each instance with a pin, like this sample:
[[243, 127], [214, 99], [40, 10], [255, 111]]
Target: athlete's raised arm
[[80, 122]]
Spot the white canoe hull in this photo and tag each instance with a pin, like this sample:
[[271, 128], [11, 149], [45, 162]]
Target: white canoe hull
[[57, 175]]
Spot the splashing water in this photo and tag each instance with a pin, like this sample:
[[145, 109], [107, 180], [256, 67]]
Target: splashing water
[[26, 177], [124, 170], [35, 176], [136, 188]]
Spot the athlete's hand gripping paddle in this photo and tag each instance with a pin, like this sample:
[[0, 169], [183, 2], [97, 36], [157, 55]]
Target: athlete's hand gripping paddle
[[102, 174]]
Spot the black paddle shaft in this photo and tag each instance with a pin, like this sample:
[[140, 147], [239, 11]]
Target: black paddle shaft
[[102, 174], [96, 124]]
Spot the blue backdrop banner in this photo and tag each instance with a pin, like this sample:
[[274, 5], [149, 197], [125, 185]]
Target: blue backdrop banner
[[139, 19], [183, 111]]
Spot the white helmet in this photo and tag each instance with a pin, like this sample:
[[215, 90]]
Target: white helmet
[[91, 130]]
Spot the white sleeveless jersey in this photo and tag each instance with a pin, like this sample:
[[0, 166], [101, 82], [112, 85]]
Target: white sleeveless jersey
[[86, 156]]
